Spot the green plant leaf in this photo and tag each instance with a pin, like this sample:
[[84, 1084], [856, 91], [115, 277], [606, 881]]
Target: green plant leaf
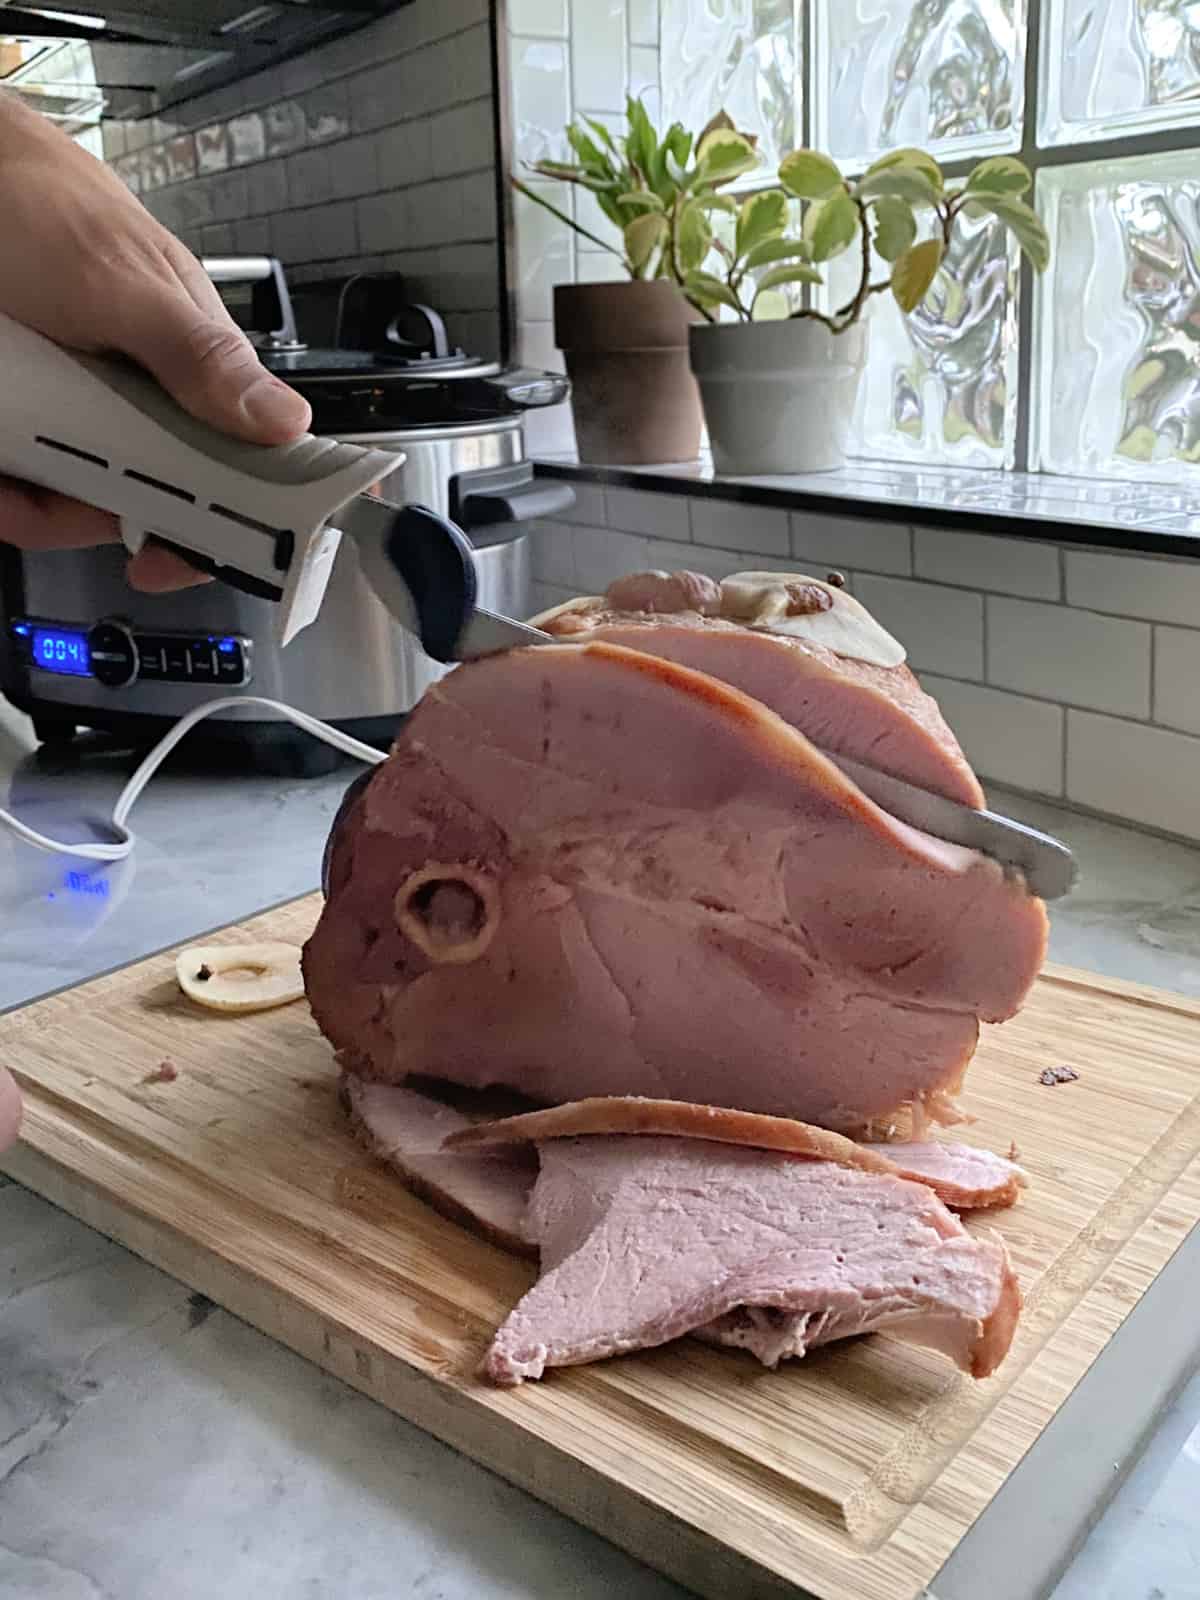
[[603, 134], [559, 170], [916, 160], [710, 291], [593, 158], [710, 200], [895, 227], [829, 226], [548, 205], [1000, 175], [775, 250], [762, 216], [809, 175], [1023, 222], [724, 154], [677, 142], [794, 272], [641, 200], [693, 236], [910, 184], [641, 142], [914, 271], [642, 237], [770, 307]]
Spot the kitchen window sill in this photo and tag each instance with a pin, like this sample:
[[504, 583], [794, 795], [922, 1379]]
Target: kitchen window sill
[[1114, 514]]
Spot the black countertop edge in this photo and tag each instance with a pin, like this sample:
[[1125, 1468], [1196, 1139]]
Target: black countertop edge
[[961, 519]]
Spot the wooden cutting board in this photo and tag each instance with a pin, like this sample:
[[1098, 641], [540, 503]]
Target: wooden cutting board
[[852, 1475]]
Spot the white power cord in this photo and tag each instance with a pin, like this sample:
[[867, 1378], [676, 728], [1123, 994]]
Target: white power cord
[[121, 847]]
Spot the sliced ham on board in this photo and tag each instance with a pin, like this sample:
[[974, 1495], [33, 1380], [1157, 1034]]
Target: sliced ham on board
[[489, 1189], [586, 870], [645, 1239]]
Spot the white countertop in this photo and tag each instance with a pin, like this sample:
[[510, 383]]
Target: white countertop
[[152, 1445]]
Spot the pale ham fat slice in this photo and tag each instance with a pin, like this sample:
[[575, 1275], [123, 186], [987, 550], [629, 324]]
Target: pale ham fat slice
[[644, 1240], [675, 895], [964, 1178]]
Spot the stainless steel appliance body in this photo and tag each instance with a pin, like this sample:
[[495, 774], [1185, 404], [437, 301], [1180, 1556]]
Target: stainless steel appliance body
[[353, 665], [460, 430]]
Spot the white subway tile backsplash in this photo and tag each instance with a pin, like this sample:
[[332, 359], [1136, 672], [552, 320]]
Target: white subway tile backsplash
[[545, 251], [545, 596], [659, 516], [252, 237], [1133, 770], [602, 554], [229, 195], [354, 165], [326, 112], [762, 530], [469, 56], [979, 561], [463, 138], [553, 553], [383, 222], [1005, 737], [1135, 586], [541, 99], [266, 188], [598, 59], [941, 629], [1177, 678], [548, 18], [479, 217], [322, 233], [284, 126], [309, 177], [843, 542], [667, 556], [643, 22], [247, 139], [643, 77], [405, 154], [589, 506], [1060, 653]]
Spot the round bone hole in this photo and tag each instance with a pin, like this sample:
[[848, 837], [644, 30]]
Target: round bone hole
[[451, 912]]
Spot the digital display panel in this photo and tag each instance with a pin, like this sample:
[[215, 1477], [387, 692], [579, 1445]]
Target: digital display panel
[[61, 650]]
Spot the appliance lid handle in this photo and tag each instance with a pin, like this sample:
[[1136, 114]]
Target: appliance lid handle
[[544, 497], [527, 388]]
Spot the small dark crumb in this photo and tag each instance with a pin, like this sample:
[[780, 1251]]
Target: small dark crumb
[[200, 1308], [204, 974], [1053, 1075], [1013, 1153], [836, 580], [164, 1072]]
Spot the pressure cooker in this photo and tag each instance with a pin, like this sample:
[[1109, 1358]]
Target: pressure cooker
[[402, 385]]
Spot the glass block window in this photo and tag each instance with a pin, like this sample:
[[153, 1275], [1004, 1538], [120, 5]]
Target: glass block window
[[947, 75], [1093, 369], [1116, 66], [1117, 390], [739, 54]]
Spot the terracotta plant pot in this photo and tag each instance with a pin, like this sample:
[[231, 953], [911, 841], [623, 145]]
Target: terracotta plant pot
[[778, 396], [632, 392]]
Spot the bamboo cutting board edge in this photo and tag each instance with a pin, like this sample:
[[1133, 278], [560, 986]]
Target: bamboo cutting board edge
[[617, 1509]]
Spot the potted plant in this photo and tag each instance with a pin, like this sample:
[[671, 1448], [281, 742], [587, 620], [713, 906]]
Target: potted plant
[[626, 343], [779, 389]]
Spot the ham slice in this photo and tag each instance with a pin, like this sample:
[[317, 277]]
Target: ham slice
[[861, 708], [962, 1177], [646, 1239], [586, 870]]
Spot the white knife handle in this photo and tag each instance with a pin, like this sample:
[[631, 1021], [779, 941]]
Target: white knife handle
[[104, 432]]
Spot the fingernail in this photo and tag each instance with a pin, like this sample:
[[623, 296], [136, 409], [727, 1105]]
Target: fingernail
[[272, 406]]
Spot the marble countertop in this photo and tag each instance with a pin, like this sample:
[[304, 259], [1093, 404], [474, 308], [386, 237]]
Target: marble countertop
[[151, 1444]]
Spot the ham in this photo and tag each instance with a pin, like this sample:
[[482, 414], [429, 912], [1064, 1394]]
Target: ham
[[489, 1189], [962, 1177], [587, 870], [871, 710], [646, 1239]]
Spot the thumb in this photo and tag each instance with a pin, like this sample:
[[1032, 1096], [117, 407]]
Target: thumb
[[209, 366]]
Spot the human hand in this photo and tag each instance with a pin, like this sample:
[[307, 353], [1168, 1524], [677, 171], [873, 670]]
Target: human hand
[[85, 264]]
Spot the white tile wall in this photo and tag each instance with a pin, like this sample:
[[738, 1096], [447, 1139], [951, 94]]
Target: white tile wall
[[759, 530], [598, 59], [1006, 566], [1078, 657], [1023, 725], [942, 629], [1177, 677], [1139, 772], [379, 145], [1006, 737], [841, 542], [1135, 586], [661, 516]]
